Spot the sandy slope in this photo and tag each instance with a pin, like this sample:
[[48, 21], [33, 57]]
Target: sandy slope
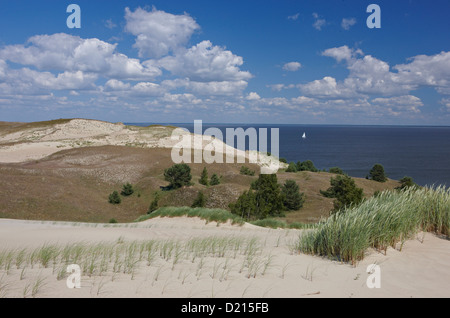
[[39, 142], [420, 270]]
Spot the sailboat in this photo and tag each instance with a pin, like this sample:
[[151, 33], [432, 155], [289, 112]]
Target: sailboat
[[304, 135]]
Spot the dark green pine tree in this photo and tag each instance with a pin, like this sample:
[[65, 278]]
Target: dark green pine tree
[[263, 199], [154, 204], [127, 190], [200, 201], [377, 173], [204, 177], [114, 198], [245, 205], [293, 199], [269, 200], [215, 180]]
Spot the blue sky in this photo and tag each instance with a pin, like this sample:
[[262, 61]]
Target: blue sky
[[306, 62]]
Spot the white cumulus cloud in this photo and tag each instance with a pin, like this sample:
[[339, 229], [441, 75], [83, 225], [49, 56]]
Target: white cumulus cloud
[[253, 96], [205, 62], [400, 104], [157, 32], [64, 52], [229, 88], [292, 66], [342, 53]]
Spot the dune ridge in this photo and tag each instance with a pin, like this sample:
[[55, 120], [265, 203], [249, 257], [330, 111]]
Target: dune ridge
[[39, 140]]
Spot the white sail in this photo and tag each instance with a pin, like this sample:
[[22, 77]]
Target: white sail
[[304, 136]]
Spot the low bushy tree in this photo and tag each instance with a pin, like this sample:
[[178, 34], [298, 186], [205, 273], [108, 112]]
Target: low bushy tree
[[377, 173], [127, 190], [292, 167], [179, 175], [406, 182], [336, 170], [114, 198], [264, 199], [345, 191], [246, 171], [307, 165]]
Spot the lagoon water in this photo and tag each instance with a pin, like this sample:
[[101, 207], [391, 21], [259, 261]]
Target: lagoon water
[[421, 152]]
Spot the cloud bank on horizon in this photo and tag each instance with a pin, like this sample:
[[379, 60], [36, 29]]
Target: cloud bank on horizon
[[60, 74]]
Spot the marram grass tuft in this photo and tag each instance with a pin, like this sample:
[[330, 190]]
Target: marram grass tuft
[[386, 220]]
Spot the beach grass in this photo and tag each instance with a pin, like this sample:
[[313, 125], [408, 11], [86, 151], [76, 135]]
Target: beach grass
[[380, 222], [209, 215], [123, 257], [281, 224]]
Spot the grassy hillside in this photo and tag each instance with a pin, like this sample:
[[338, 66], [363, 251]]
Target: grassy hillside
[[73, 185]]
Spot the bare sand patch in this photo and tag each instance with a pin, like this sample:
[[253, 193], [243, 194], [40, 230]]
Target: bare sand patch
[[273, 270]]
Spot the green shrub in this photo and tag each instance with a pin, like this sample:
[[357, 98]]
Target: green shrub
[[301, 226], [406, 182], [114, 198], [178, 175], [246, 171], [154, 204], [264, 199], [307, 165], [215, 180], [345, 191], [336, 170], [280, 224], [245, 206], [200, 201], [127, 190], [113, 221], [271, 223], [210, 215], [377, 173], [292, 167]]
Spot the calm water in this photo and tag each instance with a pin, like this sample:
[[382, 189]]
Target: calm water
[[420, 152]]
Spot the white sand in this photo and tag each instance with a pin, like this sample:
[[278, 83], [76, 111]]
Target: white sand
[[419, 270]]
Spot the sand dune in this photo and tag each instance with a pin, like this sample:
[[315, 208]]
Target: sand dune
[[184, 257], [34, 143], [419, 270]]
